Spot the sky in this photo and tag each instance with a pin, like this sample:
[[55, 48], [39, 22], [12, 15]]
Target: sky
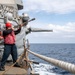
[[58, 15]]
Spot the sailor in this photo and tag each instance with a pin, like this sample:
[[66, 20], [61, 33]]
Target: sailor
[[9, 44]]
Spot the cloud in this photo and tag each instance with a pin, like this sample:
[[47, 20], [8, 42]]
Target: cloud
[[66, 31], [51, 6], [67, 28]]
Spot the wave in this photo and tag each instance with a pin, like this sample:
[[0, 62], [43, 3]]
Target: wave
[[44, 69]]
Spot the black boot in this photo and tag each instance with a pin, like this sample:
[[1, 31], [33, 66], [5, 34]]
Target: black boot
[[2, 68]]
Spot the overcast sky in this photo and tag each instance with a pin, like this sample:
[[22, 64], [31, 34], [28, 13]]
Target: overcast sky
[[58, 15]]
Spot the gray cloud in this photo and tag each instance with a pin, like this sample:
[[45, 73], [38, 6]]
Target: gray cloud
[[51, 6]]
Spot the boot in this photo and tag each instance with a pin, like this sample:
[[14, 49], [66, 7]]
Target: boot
[[2, 68]]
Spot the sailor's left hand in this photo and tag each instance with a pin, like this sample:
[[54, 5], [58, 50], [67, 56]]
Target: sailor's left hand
[[12, 28]]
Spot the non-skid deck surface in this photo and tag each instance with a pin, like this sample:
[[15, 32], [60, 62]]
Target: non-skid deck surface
[[14, 71]]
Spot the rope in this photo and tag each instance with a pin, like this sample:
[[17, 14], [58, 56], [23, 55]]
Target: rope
[[64, 65]]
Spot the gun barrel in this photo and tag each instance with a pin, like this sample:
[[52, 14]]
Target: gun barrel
[[40, 30]]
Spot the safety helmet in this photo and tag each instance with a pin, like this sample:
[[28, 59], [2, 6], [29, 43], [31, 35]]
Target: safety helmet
[[8, 24]]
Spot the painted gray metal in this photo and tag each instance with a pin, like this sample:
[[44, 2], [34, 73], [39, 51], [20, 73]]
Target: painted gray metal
[[7, 1], [13, 3], [19, 4]]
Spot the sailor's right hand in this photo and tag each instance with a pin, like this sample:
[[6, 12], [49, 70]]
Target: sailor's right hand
[[25, 23]]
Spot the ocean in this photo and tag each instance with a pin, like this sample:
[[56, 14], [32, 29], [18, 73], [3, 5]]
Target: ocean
[[64, 52]]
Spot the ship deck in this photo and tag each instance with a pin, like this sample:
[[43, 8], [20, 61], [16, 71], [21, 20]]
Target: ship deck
[[13, 71]]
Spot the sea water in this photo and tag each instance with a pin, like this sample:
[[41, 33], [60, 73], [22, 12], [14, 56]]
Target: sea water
[[64, 52]]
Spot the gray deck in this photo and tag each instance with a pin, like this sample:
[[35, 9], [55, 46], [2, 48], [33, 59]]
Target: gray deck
[[14, 71]]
